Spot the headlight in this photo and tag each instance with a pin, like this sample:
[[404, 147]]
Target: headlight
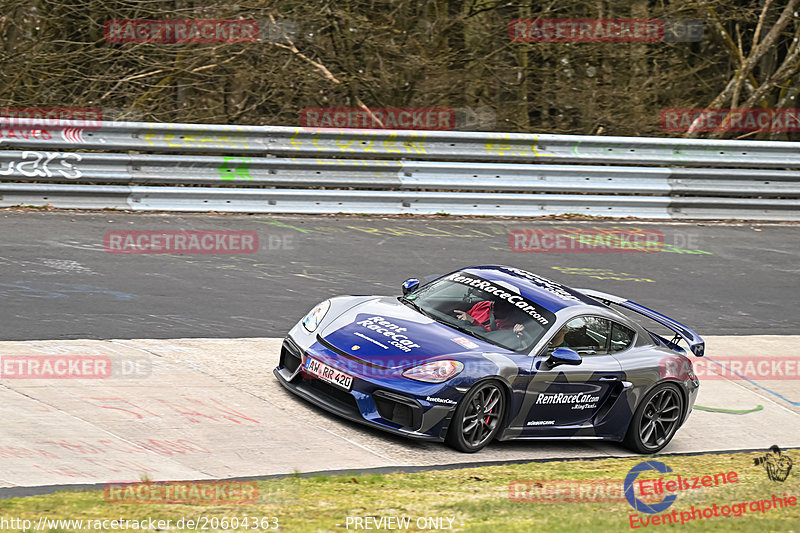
[[315, 316], [435, 372]]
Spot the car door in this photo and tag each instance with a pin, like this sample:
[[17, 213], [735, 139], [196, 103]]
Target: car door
[[568, 396]]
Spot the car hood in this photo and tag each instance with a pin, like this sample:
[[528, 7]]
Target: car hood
[[385, 332]]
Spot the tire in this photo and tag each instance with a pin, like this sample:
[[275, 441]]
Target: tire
[[472, 426], [656, 419]]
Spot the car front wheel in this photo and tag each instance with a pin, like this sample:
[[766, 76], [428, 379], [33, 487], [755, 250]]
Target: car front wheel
[[656, 420], [477, 418]]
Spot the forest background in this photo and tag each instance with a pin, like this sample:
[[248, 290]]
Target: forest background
[[375, 54]]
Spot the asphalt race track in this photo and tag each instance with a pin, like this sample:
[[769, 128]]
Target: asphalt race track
[[57, 282], [195, 337]]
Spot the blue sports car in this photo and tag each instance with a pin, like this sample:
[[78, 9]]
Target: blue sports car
[[495, 352]]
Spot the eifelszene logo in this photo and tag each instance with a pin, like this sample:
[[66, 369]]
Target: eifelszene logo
[[630, 495], [668, 487]]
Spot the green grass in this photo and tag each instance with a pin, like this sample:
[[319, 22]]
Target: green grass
[[477, 499]]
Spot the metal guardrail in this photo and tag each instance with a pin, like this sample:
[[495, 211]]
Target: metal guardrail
[[158, 169], [143, 198], [388, 172], [394, 144], [315, 201]]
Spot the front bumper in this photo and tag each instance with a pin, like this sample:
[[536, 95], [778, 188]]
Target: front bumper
[[377, 403]]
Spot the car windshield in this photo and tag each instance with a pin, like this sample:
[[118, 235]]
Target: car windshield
[[490, 311]]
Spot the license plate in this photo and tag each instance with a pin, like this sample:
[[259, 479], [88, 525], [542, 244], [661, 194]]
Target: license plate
[[328, 373]]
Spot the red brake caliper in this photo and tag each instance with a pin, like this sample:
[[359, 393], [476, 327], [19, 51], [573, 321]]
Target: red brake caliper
[[487, 418]]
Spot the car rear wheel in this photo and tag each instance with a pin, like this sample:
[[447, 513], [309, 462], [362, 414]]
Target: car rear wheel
[[477, 418], [656, 420]]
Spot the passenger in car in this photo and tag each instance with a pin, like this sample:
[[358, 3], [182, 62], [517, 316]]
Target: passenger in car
[[559, 341], [491, 316]]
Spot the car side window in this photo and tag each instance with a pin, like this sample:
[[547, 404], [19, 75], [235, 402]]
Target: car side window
[[587, 335], [621, 337]]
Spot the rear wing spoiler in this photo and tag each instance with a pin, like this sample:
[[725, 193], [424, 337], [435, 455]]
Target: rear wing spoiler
[[696, 343]]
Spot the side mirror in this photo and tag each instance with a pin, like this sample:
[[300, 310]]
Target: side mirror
[[562, 356], [410, 285]]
